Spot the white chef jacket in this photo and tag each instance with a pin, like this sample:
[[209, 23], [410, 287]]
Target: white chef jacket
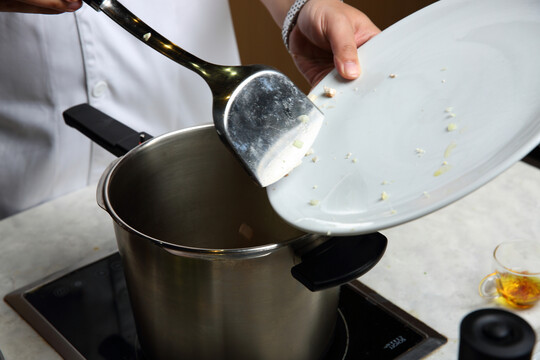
[[49, 63]]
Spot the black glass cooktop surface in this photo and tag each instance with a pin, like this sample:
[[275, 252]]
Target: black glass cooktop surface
[[84, 313]]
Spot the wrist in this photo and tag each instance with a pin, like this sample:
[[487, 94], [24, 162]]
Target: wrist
[[290, 20]]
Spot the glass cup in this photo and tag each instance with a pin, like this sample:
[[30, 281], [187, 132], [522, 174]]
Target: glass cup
[[516, 277]]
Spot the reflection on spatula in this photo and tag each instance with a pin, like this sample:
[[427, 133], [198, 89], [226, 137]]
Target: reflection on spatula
[[264, 118]]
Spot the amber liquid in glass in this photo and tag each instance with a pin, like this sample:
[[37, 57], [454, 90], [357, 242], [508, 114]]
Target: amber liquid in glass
[[519, 291]]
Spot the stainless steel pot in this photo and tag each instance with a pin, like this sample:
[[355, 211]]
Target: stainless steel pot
[[208, 262]]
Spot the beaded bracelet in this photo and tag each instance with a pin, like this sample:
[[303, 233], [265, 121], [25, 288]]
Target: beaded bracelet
[[290, 20]]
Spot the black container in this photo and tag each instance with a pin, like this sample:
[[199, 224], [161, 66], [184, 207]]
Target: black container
[[494, 334]]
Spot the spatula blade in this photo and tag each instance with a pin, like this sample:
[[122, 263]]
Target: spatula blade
[[270, 125]]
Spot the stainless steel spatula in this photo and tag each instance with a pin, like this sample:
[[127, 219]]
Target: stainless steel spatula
[[264, 118]]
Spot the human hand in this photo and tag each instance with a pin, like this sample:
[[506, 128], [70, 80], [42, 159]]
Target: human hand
[[40, 6], [327, 35]]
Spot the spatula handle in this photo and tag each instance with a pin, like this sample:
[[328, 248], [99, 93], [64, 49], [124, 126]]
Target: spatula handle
[[126, 19]]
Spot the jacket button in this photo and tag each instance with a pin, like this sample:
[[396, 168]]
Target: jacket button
[[100, 89]]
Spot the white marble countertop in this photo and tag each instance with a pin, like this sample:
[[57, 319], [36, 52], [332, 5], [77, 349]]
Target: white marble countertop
[[431, 268]]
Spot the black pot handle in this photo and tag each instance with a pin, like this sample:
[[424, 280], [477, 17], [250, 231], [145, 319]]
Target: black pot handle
[[112, 135], [339, 260]]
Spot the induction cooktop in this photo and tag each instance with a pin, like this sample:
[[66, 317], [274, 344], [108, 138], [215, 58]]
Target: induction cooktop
[[84, 312]]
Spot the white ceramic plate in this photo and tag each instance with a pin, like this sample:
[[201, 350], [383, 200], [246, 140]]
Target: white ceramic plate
[[471, 65]]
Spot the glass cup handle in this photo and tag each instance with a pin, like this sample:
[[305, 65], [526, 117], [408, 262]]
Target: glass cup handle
[[487, 287]]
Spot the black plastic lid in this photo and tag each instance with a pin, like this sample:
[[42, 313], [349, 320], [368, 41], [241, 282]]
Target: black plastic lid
[[494, 334]]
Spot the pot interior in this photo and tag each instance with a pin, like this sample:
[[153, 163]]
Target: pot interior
[[186, 188]]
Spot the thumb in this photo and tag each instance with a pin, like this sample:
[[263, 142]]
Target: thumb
[[341, 37]]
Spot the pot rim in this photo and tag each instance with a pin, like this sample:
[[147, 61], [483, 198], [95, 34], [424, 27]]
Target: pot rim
[[232, 253]]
